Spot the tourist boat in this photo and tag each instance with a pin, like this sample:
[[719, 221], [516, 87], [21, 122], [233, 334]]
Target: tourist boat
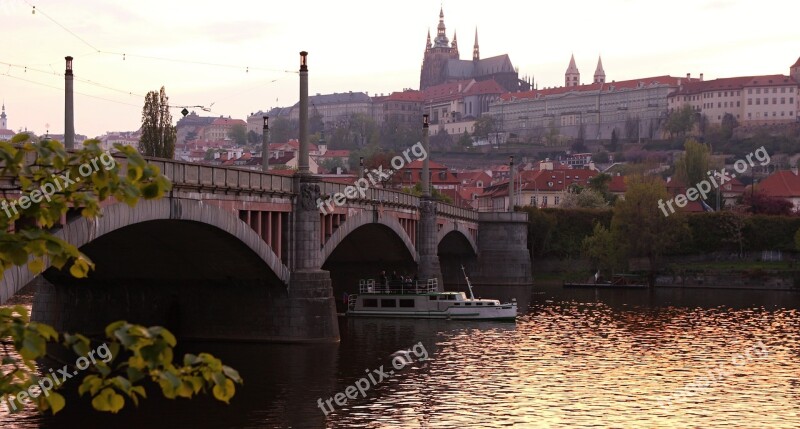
[[618, 281], [423, 300]]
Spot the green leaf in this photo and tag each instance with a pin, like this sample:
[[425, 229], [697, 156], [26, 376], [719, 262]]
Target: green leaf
[[225, 392], [56, 401]]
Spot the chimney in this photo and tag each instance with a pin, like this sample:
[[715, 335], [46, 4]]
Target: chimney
[[688, 76], [69, 112], [701, 77]]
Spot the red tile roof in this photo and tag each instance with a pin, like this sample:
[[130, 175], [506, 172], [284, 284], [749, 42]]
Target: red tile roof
[[797, 64], [604, 87], [617, 184], [781, 184], [227, 121], [729, 83], [410, 95]]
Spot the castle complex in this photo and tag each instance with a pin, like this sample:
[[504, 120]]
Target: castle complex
[[442, 64]]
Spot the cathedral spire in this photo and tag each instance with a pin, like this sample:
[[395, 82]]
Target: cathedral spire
[[476, 52], [441, 40], [455, 41], [428, 43], [599, 73]]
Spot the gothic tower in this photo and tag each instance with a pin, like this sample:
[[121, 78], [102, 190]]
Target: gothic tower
[[572, 77], [476, 52], [3, 121], [434, 62], [599, 73]]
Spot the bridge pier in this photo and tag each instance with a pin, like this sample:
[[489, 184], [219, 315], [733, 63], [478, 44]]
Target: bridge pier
[[312, 306], [504, 259], [428, 265]]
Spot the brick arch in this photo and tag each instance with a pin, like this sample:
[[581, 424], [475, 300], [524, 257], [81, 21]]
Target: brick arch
[[82, 231], [451, 226], [359, 220]]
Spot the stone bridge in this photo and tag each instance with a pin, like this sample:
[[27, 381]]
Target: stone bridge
[[222, 255]]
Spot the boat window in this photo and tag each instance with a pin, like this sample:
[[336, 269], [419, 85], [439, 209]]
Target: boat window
[[458, 303], [388, 303], [489, 303], [478, 303], [370, 302], [451, 297], [432, 297], [468, 303], [407, 303]]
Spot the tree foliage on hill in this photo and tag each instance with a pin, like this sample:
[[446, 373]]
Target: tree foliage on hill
[[158, 133], [141, 357], [238, 133], [680, 121], [693, 164]]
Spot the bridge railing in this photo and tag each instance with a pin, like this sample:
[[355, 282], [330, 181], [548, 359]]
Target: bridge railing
[[200, 175]]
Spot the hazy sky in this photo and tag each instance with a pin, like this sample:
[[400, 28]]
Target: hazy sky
[[354, 45]]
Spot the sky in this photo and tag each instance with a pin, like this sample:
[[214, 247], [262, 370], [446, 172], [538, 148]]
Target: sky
[[238, 57]]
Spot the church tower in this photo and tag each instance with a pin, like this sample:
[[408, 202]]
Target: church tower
[[455, 41], [794, 71], [572, 77], [599, 73], [3, 121], [434, 62], [476, 52]]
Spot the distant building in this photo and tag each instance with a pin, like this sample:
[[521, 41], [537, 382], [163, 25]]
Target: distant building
[[751, 100], [630, 108], [398, 107], [255, 122], [219, 129], [455, 106], [537, 188], [441, 64], [784, 184], [335, 108]]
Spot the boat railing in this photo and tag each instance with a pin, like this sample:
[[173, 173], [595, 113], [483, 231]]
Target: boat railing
[[398, 286]]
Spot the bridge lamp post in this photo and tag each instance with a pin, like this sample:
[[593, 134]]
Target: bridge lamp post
[[426, 179], [265, 145], [302, 164], [361, 169], [511, 183]]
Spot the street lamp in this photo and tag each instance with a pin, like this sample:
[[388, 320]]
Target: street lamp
[[361, 167], [265, 145], [511, 183]]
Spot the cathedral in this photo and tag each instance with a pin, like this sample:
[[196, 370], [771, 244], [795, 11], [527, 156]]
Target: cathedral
[[442, 64]]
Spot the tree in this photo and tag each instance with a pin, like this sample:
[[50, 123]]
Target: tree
[[484, 126], [465, 141], [602, 250], [640, 227], [600, 157], [599, 184], [253, 137], [158, 133], [140, 357], [692, 166], [680, 121], [760, 203], [282, 130], [435, 193], [613, 145], [585, 199], [729, 123], [209, 154], [238, 133], [632, 125]]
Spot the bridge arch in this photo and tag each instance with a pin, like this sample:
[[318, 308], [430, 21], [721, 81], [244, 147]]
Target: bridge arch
[[115, 217], [453, 227], [362, 219]]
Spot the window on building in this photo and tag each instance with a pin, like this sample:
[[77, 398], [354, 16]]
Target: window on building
[[557, 200], [774, 90], [749, 101], [750, 90], [774, 101], [544, 200], [533, 200], [783, 100], [738, 103]]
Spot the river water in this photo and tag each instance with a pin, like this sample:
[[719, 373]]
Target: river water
[[669, 358]]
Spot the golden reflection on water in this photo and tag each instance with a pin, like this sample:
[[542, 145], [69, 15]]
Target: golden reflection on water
[[586, 365]]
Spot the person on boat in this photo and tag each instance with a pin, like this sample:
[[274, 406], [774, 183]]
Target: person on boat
[[383, 280]]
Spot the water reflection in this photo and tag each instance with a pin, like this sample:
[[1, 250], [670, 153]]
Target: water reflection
[[575, 359]]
